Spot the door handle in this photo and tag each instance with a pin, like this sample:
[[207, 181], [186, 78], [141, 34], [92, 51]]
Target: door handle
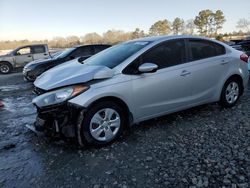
[[224, 62], [45, 54], [185, 73], [29, 56]]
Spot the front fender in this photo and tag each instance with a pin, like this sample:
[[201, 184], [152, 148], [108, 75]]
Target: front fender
[[121, 91], [8, 59]]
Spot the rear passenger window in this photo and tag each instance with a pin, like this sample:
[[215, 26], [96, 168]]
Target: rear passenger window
[[201, 49], [38, 49], [168, 54]]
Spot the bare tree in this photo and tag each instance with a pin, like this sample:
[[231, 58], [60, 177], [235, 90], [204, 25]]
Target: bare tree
[[72, 41], [189, 27], [116, 36], [243, 24], [91, 38]]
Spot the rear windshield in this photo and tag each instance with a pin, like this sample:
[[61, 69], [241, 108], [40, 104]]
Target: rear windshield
[[115, 55]]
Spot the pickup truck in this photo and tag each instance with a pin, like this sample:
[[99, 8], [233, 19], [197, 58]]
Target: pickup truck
[[23, 55]]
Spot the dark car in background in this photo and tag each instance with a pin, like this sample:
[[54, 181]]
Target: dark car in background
[[242, 45], [245, 45], [35, 68]]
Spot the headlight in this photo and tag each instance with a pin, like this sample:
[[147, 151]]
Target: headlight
[[59, 96]]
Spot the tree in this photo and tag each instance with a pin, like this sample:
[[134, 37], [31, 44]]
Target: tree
[[115, 36], [243, 24], [58, 42], [91, 38], [219, 20], [72, 41], [204, 22], [162, 27], [208, 23], [189, 27], [137, 34], [178, 25]]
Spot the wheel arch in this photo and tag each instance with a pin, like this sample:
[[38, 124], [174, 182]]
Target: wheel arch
[[239, 78], [7, 62], [118, 101]]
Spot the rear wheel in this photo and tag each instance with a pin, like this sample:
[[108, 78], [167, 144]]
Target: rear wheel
[[102, 124], [231, 93], [5, 67]]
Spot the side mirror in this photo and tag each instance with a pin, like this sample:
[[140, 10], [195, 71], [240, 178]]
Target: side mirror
[[83, 58], [148, 67]]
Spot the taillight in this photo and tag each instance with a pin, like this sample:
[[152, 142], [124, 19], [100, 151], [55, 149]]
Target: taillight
[[244, 57]]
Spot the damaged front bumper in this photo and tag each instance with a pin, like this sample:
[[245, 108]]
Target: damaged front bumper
[[57, 121]]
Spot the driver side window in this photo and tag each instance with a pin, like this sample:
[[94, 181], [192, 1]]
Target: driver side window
[[23, 51], [167, 54]]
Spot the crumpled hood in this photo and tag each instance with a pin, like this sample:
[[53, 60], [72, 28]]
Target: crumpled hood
[[71, 73]]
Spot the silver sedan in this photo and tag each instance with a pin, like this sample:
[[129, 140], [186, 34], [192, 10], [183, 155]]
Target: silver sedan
[[136, 81]]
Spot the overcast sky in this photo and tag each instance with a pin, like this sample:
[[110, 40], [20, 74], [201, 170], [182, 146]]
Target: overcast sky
[[45, 19]]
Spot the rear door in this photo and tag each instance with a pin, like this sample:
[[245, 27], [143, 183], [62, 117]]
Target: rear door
[[23, 56], [209, 65], [166, 90], [39, 52]]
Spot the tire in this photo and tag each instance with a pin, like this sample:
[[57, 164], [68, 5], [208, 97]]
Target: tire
[[231, 92], [5, 68], [97, 126]]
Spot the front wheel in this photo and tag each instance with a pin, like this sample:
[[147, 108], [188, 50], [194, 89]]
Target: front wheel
[[5, 68], [231, 93], [102, 124]]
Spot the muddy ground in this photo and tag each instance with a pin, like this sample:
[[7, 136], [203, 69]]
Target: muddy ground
[[206, 146]]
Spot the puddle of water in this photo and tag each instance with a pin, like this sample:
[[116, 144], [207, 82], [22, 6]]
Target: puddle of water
[[8, 88], [20, 104], [15, 87]]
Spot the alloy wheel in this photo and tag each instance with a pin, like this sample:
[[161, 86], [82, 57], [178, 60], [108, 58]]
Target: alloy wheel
[[232, 92], [105, 124], [4, 68]]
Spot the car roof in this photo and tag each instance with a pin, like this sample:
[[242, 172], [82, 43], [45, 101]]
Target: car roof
[[78, 46], [169, 37], [30, 45]]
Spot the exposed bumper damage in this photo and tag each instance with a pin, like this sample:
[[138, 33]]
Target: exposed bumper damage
[[58, 121]]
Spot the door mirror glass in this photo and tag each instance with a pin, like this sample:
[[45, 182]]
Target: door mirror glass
[[81, 59], [148, 67]]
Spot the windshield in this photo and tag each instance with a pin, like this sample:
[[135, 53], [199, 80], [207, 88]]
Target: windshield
[[56, 54], [64, 53], [117, 54]]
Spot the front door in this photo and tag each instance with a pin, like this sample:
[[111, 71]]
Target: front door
[[166, 90], [23, 56]]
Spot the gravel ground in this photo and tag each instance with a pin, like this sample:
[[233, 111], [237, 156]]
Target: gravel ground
[[206, 146]]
